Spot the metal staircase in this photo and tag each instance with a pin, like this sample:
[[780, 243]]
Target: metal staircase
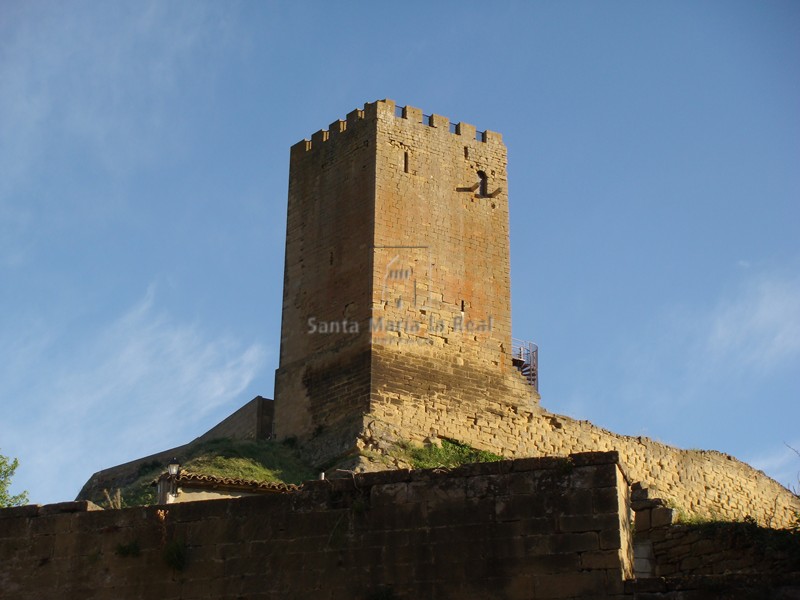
[[525, 357]]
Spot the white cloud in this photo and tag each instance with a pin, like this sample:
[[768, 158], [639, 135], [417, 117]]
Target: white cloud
[[759, 328], [144, 383], [104, 77], [782, 464], [95, 92], [723, 376]]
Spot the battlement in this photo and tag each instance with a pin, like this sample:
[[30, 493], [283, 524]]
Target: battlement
[[389, 107]]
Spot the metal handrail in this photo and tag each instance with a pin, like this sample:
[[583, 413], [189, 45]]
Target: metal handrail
[[525, 356]]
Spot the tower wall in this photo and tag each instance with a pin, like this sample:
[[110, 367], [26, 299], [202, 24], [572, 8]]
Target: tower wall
[[322, 383], [442, 216], [396, 286]]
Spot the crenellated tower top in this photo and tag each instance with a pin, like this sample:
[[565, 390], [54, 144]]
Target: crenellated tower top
[[409, 113]]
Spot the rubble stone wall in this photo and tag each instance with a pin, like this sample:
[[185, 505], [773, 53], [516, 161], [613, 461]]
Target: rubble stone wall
[[707, 484], [666, 548]]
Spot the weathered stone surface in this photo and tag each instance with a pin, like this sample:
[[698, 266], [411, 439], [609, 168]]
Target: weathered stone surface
[[405, 534], [387, 301], [717, 548], [661, 516]]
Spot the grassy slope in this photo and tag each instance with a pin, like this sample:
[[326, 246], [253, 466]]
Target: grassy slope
[[451, 454], [236, 459], [273, 461], [258, 461]]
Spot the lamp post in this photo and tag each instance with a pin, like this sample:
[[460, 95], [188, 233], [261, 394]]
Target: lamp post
[[174, 468]]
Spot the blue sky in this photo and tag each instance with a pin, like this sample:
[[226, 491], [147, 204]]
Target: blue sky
[[654, 165]]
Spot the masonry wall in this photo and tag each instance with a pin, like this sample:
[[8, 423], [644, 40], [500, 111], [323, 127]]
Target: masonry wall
[[698, 549], [396, 283], [397, 274], [532, 528], [702, 483], [253, 421], [322, 383], [730, 587], [663, 548], [447, 232]]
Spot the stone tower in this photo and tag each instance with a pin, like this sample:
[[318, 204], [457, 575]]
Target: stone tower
[[396, 299]]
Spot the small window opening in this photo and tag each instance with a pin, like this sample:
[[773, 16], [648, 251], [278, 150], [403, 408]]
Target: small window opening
[[466, 152], [462, 306], [483, 187], [405, 162]]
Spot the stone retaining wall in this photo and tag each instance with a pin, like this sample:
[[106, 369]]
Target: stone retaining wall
[[544, 528], [700, 482]]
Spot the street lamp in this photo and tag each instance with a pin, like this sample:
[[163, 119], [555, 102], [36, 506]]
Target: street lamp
[[173, 468]]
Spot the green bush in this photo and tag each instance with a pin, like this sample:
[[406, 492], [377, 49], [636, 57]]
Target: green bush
[[7, 468]]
